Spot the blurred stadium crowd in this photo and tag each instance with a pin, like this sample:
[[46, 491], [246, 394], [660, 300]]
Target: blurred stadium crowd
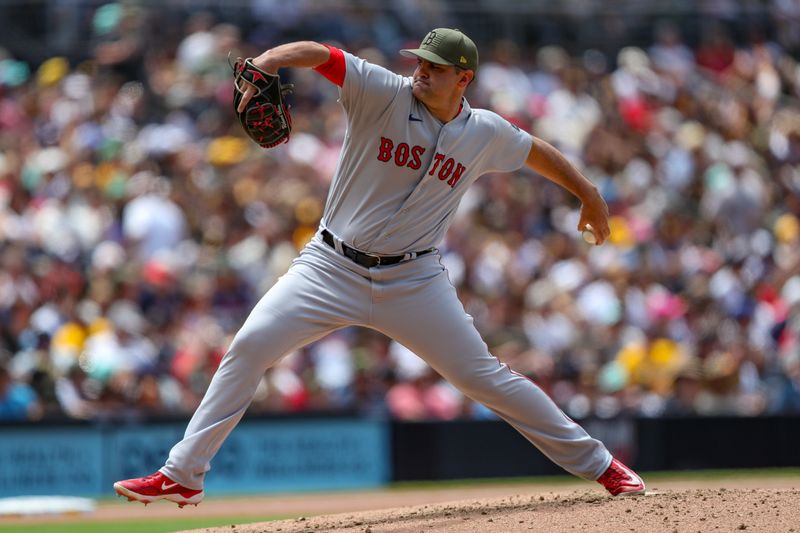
[[138, 226]]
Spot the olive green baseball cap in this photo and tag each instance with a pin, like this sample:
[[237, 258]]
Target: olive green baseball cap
[[445, 46]]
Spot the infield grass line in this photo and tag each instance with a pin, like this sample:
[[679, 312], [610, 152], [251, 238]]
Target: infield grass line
[[655, 476], [156, 525], [561, 479]]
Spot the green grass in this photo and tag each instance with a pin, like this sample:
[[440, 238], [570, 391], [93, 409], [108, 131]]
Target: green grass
[[133, 526], [685, 475], [744, 473]]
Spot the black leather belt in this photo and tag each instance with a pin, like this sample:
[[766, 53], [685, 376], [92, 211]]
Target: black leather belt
[[364, 259]]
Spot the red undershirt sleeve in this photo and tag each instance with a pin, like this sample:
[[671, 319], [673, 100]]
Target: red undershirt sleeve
[[334, 67]]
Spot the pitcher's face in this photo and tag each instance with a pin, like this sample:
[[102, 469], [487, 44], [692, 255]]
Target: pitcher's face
[[434, 83]]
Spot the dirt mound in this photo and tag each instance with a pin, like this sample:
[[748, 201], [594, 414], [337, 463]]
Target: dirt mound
[[774, 510]]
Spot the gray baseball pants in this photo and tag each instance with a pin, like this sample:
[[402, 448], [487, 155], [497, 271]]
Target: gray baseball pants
[[412, 302]]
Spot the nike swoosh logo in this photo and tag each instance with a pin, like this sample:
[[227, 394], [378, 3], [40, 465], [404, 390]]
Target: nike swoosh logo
[[412, 118], [632, 478], [165, 486]]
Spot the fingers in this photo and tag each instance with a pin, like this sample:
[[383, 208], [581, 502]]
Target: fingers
[[598, 228], [598, 239], [248, 94], [594, 218], [588, 235]]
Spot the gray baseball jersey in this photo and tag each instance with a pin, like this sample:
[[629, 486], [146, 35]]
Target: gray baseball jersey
[[402, 173], [397, 185]]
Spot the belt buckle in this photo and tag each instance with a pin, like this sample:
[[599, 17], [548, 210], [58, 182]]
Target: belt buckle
[[371, 257], [360, 258]]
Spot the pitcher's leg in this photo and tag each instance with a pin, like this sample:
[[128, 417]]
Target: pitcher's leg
[[292, 314], [230, 392], [431, 322]]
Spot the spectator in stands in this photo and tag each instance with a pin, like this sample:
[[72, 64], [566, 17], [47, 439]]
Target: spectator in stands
[[18, 401], [137, 225]]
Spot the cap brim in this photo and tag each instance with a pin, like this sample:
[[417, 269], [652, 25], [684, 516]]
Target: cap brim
[[426, 55]]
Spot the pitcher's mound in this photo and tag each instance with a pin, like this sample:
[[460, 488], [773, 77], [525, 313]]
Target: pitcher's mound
[[774, 510]]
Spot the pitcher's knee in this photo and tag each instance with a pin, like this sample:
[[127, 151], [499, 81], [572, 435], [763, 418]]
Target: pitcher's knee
[[480, 384], [265, 344]]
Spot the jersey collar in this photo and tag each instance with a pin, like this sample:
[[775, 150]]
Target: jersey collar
[[463, 111]]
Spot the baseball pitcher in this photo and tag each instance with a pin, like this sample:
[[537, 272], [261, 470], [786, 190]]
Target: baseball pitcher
[[413, 147]]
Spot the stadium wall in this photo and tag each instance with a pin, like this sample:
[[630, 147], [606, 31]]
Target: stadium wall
[[260, 456], [281, 455]]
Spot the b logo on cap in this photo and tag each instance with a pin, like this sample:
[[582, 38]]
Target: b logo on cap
[[463, 59], [429, 40]]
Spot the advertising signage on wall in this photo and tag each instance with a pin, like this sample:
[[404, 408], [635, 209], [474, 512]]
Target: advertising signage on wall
[[262, 456], [44, 461]]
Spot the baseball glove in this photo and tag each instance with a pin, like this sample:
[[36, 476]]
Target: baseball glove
[[266, 117]]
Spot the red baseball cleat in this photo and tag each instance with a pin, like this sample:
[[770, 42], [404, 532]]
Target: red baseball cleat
[[619, 479], [157, 487]]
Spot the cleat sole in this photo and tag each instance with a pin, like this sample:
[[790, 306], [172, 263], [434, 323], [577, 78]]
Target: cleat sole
[[179, 500]]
